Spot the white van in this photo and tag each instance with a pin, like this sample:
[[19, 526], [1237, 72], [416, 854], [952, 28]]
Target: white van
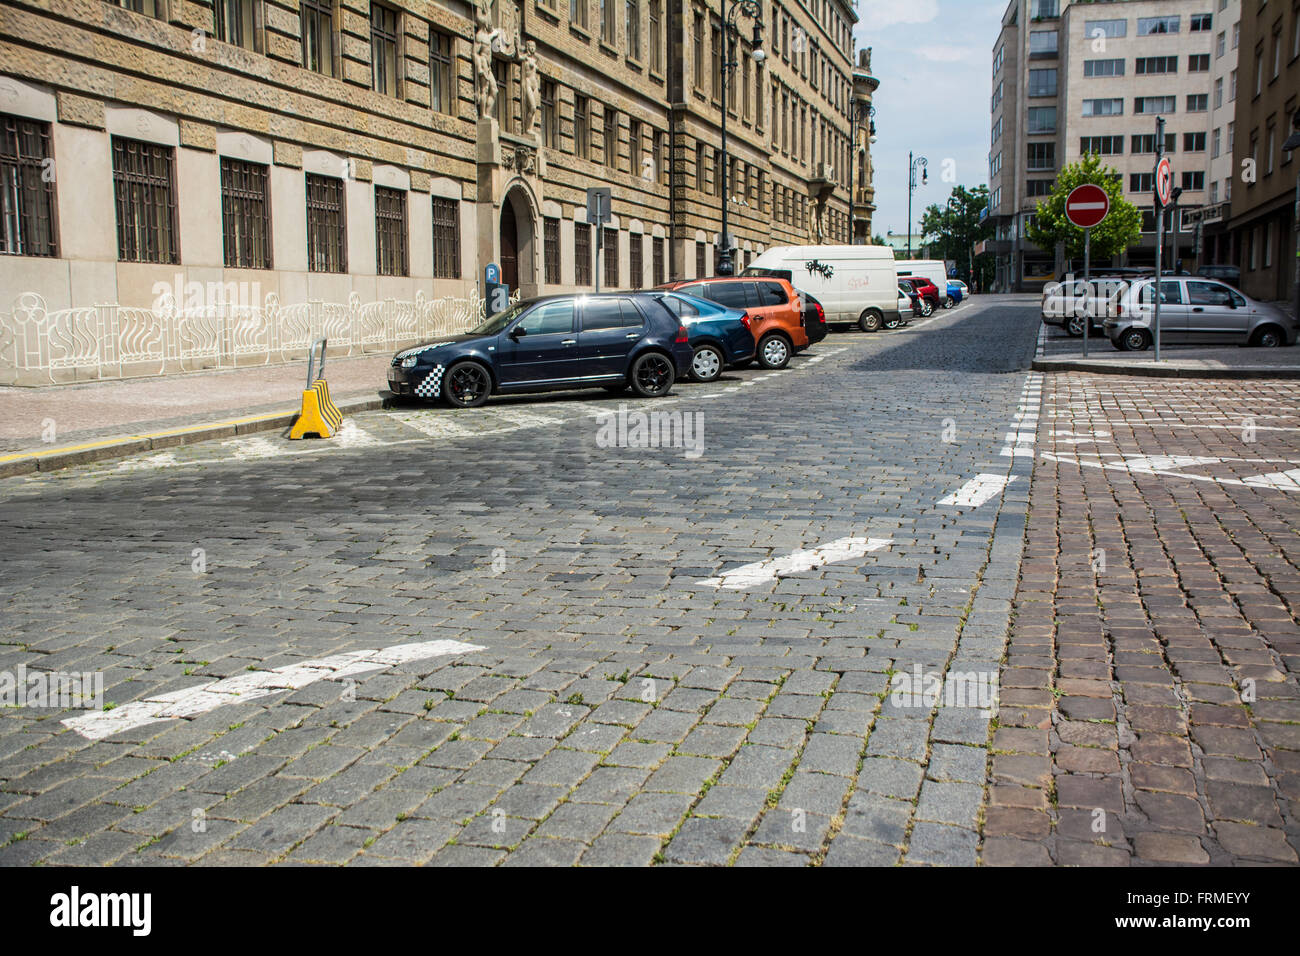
[[932, 269], [855, 284]]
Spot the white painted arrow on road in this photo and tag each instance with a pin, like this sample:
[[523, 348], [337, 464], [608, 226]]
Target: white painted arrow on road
[[978, 490], [254, 684], [845, 549]]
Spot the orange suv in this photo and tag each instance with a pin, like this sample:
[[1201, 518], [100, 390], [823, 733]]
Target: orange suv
[[775, 312]]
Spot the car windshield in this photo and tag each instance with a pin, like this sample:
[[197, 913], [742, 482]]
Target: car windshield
[[499, 321]]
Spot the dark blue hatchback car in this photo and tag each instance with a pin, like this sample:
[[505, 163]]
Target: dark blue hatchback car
[[719, 336], [612, 340]]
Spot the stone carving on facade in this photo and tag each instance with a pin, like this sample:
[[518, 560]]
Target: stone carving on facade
[[485, 81], [867, 61], [521, 159], [532, 88]]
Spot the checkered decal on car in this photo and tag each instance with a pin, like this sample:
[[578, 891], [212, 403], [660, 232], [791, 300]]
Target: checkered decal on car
[[431, 387]]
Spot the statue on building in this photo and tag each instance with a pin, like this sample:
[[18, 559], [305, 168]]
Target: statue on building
[[532, 87], [866, 60], [485, 81]]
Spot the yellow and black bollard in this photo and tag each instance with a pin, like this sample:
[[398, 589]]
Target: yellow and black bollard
[[319, 416]]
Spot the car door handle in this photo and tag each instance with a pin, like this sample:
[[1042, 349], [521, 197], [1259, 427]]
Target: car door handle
[[632, 335], [1198, 309], [569, 342]]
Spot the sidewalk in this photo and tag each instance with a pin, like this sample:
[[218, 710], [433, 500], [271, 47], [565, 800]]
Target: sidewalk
[[95, 419]]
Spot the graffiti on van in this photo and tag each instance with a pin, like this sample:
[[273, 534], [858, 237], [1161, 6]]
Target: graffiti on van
[[859, 283], [821, 268]]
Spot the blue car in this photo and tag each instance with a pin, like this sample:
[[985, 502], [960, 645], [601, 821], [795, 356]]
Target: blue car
[[955, 293], [611, 341], [719, 336]]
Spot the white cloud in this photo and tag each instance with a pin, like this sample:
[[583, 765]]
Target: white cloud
[[879, 14]]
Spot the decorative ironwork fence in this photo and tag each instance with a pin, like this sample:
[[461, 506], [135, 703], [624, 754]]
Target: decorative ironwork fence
[[39, 346]]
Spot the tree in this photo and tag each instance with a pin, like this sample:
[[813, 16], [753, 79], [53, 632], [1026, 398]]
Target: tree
[[1121, 229], [956, 227]]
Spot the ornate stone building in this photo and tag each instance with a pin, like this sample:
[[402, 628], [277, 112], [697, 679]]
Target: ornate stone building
[[323, 148]]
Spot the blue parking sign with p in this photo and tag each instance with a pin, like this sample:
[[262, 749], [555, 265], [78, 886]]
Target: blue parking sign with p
[[492, 274]]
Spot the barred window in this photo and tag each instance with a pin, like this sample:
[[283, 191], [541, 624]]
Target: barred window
[[317, 28], [27, 218], [551, 249], [236, 23], [550, 118], [446, 238], [657, 260], [582, 253], [442, 82], [656, 37], [611, 137], [699, 260], [633, 28], [611, 258], [581, 127], [144, 193], [327, 242], [383, 49], [390, 231], [245, 214], [635, 260]]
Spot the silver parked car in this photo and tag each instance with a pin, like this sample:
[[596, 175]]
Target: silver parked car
[[1195, 311]]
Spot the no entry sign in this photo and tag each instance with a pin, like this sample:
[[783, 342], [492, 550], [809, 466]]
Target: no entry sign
[[1087, 205], [1164, 181]]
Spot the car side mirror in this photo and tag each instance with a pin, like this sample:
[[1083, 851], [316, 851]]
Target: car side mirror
[[518, 332], [1229, 301]]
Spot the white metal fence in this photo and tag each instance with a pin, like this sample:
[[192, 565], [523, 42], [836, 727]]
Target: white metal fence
[[39, 346]]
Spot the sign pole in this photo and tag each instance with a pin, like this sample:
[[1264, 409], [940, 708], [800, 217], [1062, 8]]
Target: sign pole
[[1160, 229], [1087, 284]]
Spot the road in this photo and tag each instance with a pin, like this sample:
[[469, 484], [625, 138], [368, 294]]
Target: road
[[720, 652]]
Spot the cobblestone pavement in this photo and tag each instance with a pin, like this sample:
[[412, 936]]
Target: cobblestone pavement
[[641, 693], [1150, 712]]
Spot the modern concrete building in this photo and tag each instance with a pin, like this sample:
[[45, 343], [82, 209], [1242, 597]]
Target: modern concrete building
[[1071, 78], [1262, 238], [321, 149]]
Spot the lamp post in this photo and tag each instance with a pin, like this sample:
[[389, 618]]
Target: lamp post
[[859, 112], [1291, 145], [754, 10], [913, 164]]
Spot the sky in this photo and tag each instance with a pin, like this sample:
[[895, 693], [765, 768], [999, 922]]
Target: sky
[[934, 60]]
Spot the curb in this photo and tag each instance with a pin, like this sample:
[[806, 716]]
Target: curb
[[1151, 370], [23, 463]]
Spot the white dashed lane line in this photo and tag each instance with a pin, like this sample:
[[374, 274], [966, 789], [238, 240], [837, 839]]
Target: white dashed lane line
[[977, 491], [760, 572]]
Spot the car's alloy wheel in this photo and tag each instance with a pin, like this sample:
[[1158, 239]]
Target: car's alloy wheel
[[1268, 338], [467, 385], [1074, 326], [893, 323], [707, 364], [871, 321], [949, 302], [926, 308], [652, 375], [773, 352], [1135, 340]]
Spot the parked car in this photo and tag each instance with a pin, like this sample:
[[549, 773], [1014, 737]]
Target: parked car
[[956, 292], [927, 290], [1065, 304], [854, 284], [909, 299], [1229, 275], [814, 317], [719, 336], [611, 340], [961, 287], [775, 312], [1195, 311], [932, 269]]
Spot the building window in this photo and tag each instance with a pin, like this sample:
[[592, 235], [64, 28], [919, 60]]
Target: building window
[[1146, 143], [1202, 22], [635, 262], [505, 95], [551, 249], [1198, 102], [701, 179], [317, 25], [1154, 104], [611, 137], [1039, 187], [446, 238], [582, 127], [657, 260], [383, 49], [28, 225], [1198, 63], [660, 171], [578, 13], [1217, 148], [1218, 93], [1042, 43], [245, 214], [716, 47], [632, 26], [1141, 182], [442, 84], [390, 231], [700, 270], [148, 7], [1194, 142], [1103, 68], [634, 146], [582, 253], [656, 37], [1099, 29], [550, 126], [1193, 181], [1042, 82], [1042, 156], [717, 172], [1149, 26], [1102, 145], [327, 246], [1155, 65], [1106, 107], [1042, 119], [697, 49], [608, 26], [145, 197], [611, 258], [235, 23]]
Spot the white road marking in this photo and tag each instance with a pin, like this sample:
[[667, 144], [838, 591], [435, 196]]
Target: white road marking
[[351, 435], [978, 490], [254, 684], [750, 575], [1020, 441], [1284, 480], [245, 449], [1170, 465]]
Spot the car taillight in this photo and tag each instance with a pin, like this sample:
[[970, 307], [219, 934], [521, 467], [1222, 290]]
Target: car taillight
[[821, 313], [682, 335], [1119, 308], [744, 320]]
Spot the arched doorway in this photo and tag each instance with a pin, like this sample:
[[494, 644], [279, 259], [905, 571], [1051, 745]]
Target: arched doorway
[[509, 246]]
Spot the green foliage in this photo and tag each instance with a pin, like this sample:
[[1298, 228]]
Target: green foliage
[[950, 231], [1122, 228]]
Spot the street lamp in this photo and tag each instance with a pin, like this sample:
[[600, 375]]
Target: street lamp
[[860, 112], [754, 10], [913, 164]]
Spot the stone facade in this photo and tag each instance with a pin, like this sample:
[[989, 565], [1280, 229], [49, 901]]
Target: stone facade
[[386, 100]]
